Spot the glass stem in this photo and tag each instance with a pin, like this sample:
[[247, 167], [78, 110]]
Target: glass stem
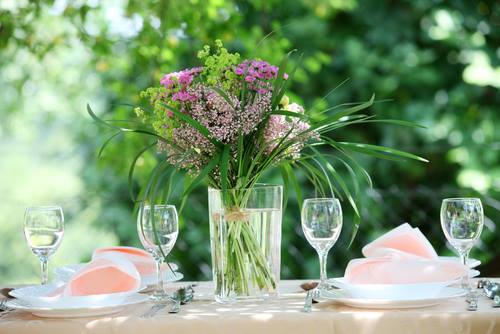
[[160, 288], [44, 260], [464, 257], [322, 266]]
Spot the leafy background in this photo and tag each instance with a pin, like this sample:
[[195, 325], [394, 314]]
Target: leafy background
[[438, 62]]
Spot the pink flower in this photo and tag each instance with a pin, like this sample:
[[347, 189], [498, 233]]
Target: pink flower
[[167, 81], [185, 79], [258, 74], [183, 97]]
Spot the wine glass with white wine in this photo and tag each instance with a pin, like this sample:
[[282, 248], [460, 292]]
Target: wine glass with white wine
[[44, 230], [321, 223], [158, 228], [462, 221]]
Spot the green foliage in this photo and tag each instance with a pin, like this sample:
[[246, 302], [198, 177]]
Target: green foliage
[[158, 118], [218, 64]]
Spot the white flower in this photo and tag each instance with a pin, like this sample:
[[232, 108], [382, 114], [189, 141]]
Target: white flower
[[294, 107]]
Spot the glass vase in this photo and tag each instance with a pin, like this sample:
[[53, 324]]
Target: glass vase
[[245, 238]]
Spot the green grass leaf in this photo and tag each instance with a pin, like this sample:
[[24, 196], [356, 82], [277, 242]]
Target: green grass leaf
[[224, 169], [282, 88], [286, 186], [286, 167], [132, 169], [290, 114], [386, 152], [278, 82], [99, 120], [106, 143], [336, 116], [397, 122], [203, 173]]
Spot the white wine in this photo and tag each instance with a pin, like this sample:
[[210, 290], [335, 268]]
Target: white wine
[[322, 239], [44, 229], [43, 241], [166, 241]]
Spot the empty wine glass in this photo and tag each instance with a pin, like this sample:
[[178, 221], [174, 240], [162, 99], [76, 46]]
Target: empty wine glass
[[158, 230], [462, 222], [44, 229], [321, 223]]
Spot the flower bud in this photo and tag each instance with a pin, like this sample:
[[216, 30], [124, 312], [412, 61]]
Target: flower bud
[[284, 101]]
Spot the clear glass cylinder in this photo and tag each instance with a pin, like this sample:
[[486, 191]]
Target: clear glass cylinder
[[245, 238]]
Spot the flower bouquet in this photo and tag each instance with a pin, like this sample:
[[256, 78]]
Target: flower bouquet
[[227, 122]]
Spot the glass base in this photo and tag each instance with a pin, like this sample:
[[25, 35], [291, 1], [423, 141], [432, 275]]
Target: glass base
[[234, 298], [323, 290], [160, 296]]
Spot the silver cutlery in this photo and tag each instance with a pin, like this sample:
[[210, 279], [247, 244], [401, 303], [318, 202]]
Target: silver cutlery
[[184, 294], [496, 301], [472, 299], [180, 297], [153, 310], [3, 306], [176, 307], [491, 289]]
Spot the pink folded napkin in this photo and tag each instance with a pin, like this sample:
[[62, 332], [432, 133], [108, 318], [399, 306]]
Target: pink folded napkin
[[143, 261], [401, 256], [109, 273]]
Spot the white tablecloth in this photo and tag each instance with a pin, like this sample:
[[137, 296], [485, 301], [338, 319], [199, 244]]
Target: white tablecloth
[[283, 315]]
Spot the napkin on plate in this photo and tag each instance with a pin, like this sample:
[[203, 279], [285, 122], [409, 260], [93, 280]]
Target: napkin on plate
[[107, 274], [401, 256], [142, 260]]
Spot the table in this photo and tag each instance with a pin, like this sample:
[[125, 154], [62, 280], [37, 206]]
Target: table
[[283, 315]]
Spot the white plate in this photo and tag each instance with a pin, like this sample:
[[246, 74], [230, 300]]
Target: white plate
[[39, 296], [76, 312], [392, 291], [169, 276], [65, 273], [473, 263], [344, 297], [474, 273]]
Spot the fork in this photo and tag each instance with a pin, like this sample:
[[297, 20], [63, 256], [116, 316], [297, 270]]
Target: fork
[[3, 307], [176, 307], [153, 310]]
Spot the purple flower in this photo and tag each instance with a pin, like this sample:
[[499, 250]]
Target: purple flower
[[183, 97], [258, 74], [167, 81], [185, 79], [279, 126]]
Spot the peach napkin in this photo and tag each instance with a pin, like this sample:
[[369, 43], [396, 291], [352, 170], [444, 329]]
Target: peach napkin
[[109, 273], [401, 256], [142, 260]]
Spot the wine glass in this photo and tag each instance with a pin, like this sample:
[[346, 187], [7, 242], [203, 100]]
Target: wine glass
[[158, 230], [462, 221], [44, 229], [321, 223]]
